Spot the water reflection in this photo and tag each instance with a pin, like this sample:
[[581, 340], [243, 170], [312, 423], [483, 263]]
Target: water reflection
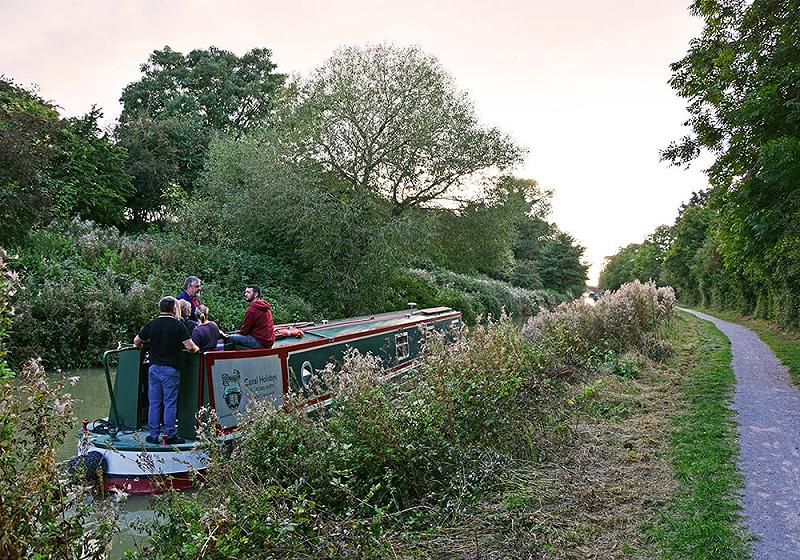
[[92, 402]]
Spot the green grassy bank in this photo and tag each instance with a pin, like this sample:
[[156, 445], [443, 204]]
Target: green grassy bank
[[702, 520]]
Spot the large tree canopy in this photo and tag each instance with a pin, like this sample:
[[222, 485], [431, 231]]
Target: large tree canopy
[[54, 167], [741, 80], [389, 120], [165, 157], [213, 87], [28, 126], [171, 113], [639, 261], [506, 235]]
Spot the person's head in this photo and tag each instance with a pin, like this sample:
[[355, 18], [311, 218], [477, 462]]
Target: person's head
[[186, 308], [251, 292], [202, 313], [192, 285], [167, 305]]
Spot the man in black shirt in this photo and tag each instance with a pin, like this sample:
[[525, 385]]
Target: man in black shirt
[[167, 335]]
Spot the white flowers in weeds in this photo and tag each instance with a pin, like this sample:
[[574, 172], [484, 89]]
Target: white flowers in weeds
[[618, 321]]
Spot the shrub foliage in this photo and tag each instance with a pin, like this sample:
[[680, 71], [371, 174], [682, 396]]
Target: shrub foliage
[[392, 459]]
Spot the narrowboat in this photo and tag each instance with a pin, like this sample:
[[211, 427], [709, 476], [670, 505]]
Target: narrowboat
[[227, 380]]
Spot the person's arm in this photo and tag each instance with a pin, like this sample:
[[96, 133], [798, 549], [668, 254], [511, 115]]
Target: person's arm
[[190, 346], [143, 335], [249, 321]]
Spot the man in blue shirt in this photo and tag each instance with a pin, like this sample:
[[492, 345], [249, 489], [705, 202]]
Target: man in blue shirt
[[191, 293]]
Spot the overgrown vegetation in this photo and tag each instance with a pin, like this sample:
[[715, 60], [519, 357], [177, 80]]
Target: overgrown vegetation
[[341, 193], [392, 465], [44, 513], [8, 287], [734, 246], [84, 288]]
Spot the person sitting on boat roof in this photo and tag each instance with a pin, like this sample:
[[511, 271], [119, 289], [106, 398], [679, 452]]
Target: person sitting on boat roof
[[206, 334], [186, 312], [166, 336], [257, 330], [191, 293]]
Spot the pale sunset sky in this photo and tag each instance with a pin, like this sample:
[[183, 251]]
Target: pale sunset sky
[[582, 84]]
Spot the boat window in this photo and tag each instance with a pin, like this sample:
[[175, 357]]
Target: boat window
[[401, 343], [425, 331]]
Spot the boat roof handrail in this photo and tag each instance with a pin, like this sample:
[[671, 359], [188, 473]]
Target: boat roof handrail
[[312, 333]]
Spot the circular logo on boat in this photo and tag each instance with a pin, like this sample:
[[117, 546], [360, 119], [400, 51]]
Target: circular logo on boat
[[233, 392]]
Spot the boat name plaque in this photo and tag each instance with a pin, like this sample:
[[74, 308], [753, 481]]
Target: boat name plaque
[[238, 381]]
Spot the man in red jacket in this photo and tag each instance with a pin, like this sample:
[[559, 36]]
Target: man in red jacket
[[257, 330]]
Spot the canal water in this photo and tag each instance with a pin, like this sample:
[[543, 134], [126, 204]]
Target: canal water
[[92, 402]]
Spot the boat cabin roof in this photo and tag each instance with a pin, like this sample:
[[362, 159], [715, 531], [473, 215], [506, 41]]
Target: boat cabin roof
[[354, 325]]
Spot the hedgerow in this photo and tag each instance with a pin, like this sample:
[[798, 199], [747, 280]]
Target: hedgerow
[[479, 296], [84, 289]]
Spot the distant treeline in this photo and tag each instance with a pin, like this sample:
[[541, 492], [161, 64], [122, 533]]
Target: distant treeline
[[366, 184], [735, 245]]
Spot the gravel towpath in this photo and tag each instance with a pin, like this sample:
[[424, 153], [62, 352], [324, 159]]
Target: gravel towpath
[[768, 416]]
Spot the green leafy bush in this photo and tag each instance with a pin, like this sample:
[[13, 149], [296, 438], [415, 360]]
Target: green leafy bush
[[43, 512], [85, 288]]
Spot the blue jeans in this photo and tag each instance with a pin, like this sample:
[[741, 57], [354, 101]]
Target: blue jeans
[[245, 340], [162, 391]]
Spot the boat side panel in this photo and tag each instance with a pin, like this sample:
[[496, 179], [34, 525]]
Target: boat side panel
[[279, 368], [236, 380], [382, 344], [188, 395], [128, 391]]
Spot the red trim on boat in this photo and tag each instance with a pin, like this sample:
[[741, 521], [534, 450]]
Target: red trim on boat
[[145, 485], [361, 334]]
